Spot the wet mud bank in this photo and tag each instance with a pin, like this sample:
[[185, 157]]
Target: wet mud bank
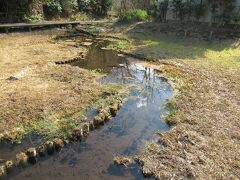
[[121, 128]]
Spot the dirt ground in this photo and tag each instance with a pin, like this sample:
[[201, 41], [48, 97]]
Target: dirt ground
[[34, 87], [205, 141]]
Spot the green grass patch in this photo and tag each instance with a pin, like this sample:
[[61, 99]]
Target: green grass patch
[[174, 116], [117, 43], [174, 47], [51, 127], [170, 118], [133, 15], [190, 49], [111, 92]]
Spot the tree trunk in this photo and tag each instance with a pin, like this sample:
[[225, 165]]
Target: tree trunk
[[36, 8]]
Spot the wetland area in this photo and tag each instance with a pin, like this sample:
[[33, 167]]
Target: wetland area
[[138, 119], [130, 103]]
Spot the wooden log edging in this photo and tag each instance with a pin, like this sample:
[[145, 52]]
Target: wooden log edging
[[80, 132], [67, 61]]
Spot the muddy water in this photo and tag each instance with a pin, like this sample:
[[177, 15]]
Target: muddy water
[[9, 150], [126, 134]]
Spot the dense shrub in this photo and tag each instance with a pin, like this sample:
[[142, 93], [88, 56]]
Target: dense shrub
[[100, 7], [80, 16], [68, 7], [83, 5], [52, 8], [57, 8], [187, 10], [227, 15], [198, 10], [133, 15], [32, 18], [95, 7]]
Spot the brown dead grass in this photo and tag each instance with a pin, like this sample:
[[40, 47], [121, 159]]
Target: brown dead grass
[[205, 142], [43, 89], [122, 160]]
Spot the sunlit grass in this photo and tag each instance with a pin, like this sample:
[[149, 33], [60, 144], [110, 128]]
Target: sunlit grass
[[53, 127], [173, 47], [117, 43]]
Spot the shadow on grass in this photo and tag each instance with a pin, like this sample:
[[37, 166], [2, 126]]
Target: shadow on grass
[[156, 45]]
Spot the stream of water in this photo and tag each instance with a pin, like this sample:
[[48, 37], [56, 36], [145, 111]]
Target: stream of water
[[137, 122]]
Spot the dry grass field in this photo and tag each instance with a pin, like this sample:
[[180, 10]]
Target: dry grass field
[[205, 140], [33, 87]]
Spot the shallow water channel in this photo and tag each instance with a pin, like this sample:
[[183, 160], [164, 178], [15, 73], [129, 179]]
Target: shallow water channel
[[135, 123]]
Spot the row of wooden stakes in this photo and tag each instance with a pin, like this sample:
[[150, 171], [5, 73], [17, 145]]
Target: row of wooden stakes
[[30, 156]]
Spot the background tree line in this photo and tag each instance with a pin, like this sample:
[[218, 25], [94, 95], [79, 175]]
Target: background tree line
[[35, 10], [67, 7], [220, 11]]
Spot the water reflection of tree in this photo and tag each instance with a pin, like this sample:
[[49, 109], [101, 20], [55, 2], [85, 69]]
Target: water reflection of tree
[[143, 77], [126, 71], [139, 117], [149, 82]]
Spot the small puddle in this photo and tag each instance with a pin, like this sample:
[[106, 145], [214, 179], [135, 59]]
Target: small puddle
[[100, 59], [135, 124]]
